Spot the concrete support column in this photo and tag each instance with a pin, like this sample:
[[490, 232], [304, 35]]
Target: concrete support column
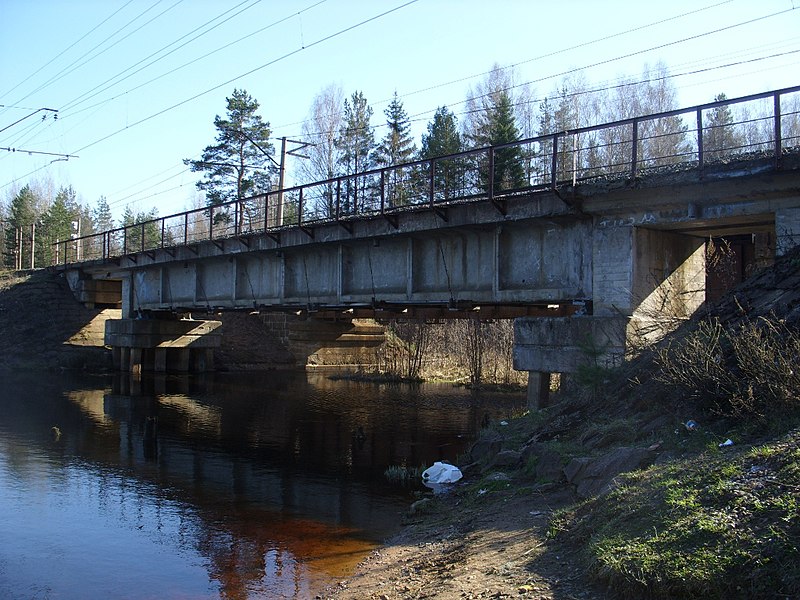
[[202, 360], [538, 390], [160, 360], [127, 298], [181, 359], [612, 270], [116, 358], [135, 362], [124, 358], [161, 345]]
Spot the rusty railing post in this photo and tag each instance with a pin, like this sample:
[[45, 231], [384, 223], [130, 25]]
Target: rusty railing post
[[776, 115], [700, 157], [432, 181], [490, 186]]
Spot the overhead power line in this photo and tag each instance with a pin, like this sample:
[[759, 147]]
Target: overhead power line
[[23, 150], [251, 71], [88, 94], [216, 87], [72, 104], [74, 65], [38, 110], [67, 49]]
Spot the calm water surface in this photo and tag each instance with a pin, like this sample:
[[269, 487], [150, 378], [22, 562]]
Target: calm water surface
[[232, 486]]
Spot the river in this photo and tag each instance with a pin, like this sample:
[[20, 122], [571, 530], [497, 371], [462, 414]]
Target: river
[[232, 485]]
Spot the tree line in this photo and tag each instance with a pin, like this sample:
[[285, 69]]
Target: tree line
[[497, 111], [33, 227]]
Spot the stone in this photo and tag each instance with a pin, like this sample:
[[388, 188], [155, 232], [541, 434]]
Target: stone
[[548, 462], [507, 459], [420, 506], [575, 468], [592, 477], [485, 448]]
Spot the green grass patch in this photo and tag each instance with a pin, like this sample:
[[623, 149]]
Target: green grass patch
[[723, 524]]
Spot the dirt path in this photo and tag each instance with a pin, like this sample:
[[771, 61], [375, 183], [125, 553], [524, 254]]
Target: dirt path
[[472, 545]]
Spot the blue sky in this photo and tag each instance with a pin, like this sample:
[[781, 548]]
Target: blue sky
[[136, 92]]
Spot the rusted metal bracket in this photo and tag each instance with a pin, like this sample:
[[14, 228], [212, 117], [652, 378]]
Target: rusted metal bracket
[[394, 220], [499, 204]]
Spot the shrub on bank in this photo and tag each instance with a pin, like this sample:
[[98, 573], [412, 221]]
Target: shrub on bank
[[750, 370]]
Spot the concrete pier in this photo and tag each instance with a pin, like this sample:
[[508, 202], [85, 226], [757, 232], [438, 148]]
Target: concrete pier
[[158, 345]]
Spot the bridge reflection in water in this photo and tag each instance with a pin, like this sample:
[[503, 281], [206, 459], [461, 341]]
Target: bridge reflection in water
[[236, 487]]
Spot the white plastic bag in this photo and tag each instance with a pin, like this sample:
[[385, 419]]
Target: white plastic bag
[[441, 473]]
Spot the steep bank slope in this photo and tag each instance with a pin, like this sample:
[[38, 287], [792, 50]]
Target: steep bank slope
[[43, 326]]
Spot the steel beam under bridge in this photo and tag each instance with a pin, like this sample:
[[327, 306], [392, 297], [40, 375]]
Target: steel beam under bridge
[[538, 252]]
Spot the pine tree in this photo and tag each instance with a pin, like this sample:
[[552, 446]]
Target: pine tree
[[134, 229], [443, 139], [491, 121], [496, 126], [356, 143], [59, 224], [21, 215], [101, 215], [240, 164], [396, 147], [720, 137]]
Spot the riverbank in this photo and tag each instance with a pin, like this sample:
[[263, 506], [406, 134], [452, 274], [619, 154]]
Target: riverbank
[[475, 542], [673, 477]]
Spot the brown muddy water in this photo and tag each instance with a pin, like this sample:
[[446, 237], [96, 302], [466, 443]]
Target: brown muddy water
[[232, 486]]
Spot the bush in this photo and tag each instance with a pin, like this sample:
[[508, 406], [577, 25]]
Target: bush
[[746, 371]]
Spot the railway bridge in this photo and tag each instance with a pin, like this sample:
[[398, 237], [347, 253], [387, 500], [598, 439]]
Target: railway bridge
[[603, 237]]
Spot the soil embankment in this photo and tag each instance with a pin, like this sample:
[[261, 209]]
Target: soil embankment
[[43, 326]]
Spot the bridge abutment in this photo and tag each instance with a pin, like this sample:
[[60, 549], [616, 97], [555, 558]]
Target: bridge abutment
[[319, 343], [644, 282]]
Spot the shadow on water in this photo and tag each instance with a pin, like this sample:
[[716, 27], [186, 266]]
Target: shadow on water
[[232, 485]]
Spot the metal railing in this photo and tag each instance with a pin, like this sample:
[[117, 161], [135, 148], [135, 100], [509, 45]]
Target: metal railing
[[767, 124]]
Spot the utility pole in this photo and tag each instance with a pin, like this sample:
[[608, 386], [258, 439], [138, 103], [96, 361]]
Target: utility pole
[[33, 246], [18, 249], [76, 227], [281, 167], [282, 171]]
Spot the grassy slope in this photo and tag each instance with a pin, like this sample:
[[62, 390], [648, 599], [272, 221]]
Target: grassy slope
[[704, 520], [715, 524]]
